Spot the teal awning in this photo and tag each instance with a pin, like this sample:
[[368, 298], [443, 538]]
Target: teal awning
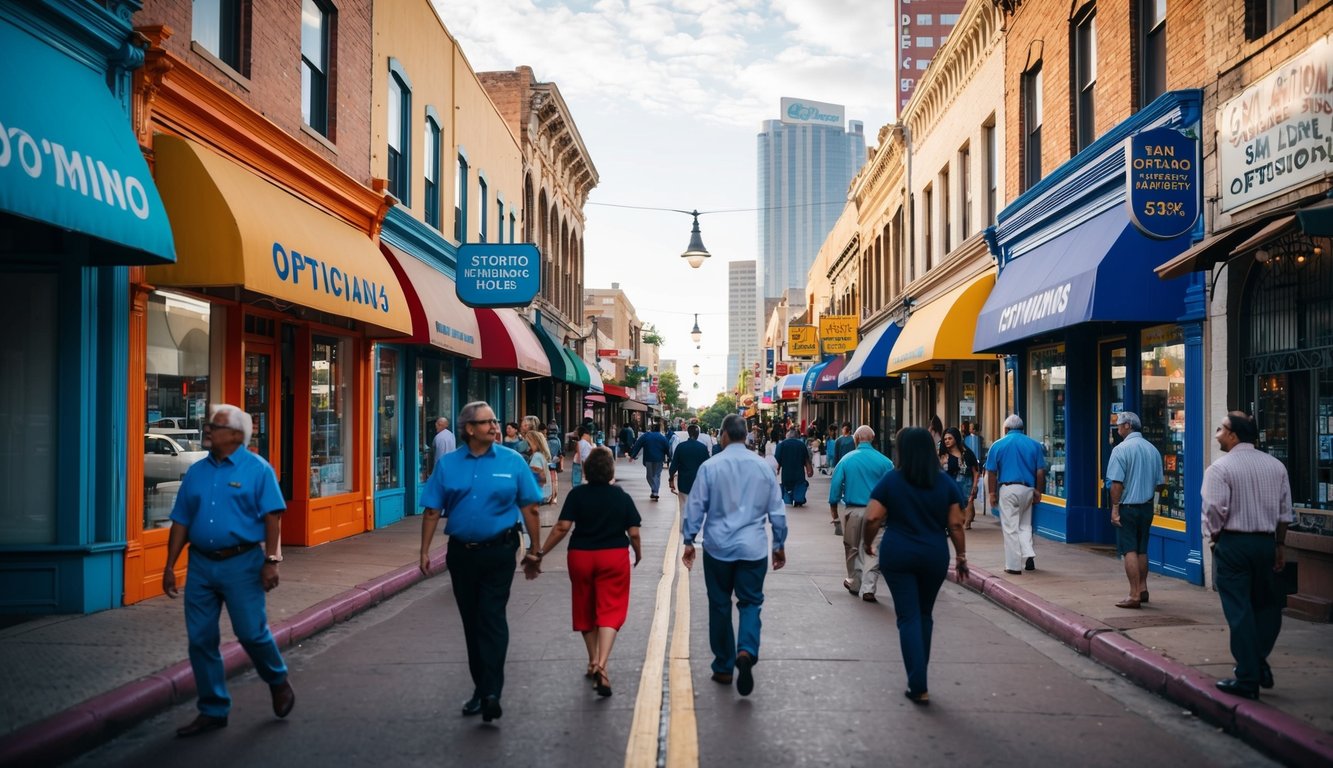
[[560, 357], [578, 371], [69, 158]]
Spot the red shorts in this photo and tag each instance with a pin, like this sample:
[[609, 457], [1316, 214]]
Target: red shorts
[[599, 581]]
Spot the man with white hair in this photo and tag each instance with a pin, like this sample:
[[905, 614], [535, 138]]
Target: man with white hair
[[1133, 475], [1017, 465], [229, 508], [855, 476], [444, 441]]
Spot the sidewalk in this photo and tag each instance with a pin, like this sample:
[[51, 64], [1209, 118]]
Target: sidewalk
[[73, 680]]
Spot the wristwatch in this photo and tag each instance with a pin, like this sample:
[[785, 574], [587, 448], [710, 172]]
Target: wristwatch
[[273, 559]]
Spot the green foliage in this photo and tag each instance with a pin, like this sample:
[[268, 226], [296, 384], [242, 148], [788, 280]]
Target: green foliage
[[650, 335], [711, 417], [668, 391]]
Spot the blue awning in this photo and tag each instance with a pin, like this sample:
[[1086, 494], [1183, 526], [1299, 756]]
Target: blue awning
[[1100, 271], [811, 376], [68, 156], [869, 366]]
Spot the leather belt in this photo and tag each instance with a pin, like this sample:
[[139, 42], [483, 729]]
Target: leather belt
[[508, 537], [227, 553], [1025, 485]]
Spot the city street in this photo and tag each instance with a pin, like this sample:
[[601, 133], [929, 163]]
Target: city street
[[386, 687]]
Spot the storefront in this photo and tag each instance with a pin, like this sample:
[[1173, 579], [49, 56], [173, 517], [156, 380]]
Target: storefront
[[875, 397], [1091, 332], [512, 362], [77, 205]]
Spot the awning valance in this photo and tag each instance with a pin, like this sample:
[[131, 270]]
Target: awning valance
[[438, 317], [1099, 271], [869, 365], [634, 405], [811, 376], [827, 380], [235, 229], [615, 390], [943, 329], [508, 344], [790, 386], [594, 376], [559, 357]]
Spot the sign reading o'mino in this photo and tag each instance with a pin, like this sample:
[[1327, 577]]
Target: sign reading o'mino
[[838, 333], [802, 341]]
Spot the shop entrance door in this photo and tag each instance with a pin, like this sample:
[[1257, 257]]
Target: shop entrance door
[[259, 388], [1111, 359]]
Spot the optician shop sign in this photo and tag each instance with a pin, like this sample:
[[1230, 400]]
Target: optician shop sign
[[1278, 133], [806, 112], [498, 275], [1162, 182]]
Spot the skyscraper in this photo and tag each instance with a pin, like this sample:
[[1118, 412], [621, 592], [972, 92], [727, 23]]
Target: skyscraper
[[806, 161], [923, 26], [742, 319]]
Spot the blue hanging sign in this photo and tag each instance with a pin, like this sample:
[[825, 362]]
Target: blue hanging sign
[[1162, 182], [498, 275]]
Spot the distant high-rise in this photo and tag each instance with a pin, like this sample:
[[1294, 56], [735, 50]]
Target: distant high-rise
[[806, 162], [742, 320], [923, 26]]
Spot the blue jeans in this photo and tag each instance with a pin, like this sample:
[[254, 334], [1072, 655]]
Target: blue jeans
[[654, 470], [744, 578], [234, 581], [795, 494], [914, 572]]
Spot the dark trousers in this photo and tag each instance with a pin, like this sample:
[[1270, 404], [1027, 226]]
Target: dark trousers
[[1244, 573], [745, 579], [914, 572], [794, 493], [481, 582]]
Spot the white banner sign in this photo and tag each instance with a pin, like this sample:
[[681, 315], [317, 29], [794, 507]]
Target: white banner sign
[[806, 112]]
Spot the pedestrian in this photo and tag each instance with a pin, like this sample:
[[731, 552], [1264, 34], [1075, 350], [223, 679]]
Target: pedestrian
[[854, 478], [734, 495], [582, 447], [793, 456], [960, 464], [686, 460], [843, 446], [513, 439], [937, 430], [972, 439], [605, 521], [444, 441], [767, 456], [919, 508], [653, 444], [540, 462], [555, 449], [229, 508], [816, 446], [626, 439], [1133, 475], [1016, 473], [1246, 511], [482, 491]]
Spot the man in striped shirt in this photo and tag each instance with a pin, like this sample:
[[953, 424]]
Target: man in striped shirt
[[1246, 510]]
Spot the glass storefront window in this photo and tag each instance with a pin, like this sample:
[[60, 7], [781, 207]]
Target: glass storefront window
[[330, 416], [386, 422], [1046, 412], [1162, 356], [435, 398], [176, 397], [28, 420]]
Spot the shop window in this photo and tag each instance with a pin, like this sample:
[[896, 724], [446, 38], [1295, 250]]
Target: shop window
[[965, 191], [1085, 80], [1263, 16], [992, 169], [1152, 50], [386, 422], [430, 152], [316, 19], [1162, 393], [460, 201], [481, 209], [1045, 419], [28, 409], [500, 220], [217, 26], [176, 391], [398, 134], [435, 398], [330, 416]]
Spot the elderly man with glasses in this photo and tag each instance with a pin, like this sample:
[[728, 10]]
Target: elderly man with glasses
[[483, 490], [1133, 477], [229, 509]]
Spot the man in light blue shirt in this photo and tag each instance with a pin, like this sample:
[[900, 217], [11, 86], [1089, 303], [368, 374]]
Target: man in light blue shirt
[[734, 494], [1016, 473], [1133, 475], [855, 476]]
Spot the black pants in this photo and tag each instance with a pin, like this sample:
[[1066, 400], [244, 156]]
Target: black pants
[[1244, 574], [481, 582]]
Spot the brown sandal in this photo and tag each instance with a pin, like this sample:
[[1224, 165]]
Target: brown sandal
[[602, 682], [592, 671]]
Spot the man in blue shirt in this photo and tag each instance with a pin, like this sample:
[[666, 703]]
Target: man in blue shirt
[[1016, 473], [482, 491], [734, 494], [656, 449], [229, 508], [1134, 473], [686, 460], [793, 457], [857, 474]]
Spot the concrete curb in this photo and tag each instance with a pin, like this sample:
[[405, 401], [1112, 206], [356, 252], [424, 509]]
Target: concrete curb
[[1264, 727], [83, 726]]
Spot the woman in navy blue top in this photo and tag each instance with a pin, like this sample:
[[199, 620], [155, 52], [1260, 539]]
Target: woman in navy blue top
[[917, 505]]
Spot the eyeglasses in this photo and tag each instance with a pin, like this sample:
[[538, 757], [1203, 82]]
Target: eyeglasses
[[210, 425], [482, 422]]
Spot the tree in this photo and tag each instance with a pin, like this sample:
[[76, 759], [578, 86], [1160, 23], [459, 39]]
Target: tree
[[712, 417], [650, 335], [668, 390]]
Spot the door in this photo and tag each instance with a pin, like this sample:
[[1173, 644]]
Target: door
[[1111, 359], [259, 401]]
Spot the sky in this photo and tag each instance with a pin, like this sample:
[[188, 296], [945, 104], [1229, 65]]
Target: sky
[[668, 96]]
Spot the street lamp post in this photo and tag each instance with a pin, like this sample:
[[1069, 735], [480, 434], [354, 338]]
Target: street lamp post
[[695, 252], [695, 333]]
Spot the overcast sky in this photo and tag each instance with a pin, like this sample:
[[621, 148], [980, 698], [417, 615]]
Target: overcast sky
[[668, 97]]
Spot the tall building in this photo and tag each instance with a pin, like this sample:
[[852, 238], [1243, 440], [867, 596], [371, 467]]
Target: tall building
[[743, 321], [923, 26], [806, 162]]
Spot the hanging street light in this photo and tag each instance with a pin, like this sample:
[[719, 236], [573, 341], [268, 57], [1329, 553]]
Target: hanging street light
[[695, 333], [696, 369], [695, 253]]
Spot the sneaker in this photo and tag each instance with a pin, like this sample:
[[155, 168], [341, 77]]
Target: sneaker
[[1031, 564], [744, 673], [837, 527]]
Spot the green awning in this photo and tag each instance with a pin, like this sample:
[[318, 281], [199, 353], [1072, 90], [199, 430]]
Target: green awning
[[560, 358], [578, 372]]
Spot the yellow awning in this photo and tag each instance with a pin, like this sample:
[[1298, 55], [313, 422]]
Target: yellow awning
[[233, 228], [943, 329]]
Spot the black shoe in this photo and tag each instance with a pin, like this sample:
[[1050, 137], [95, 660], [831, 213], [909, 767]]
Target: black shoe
[[653, 497], [284, 698], [1237, 688], [1266, 677], [922, 698], [1015, 573], [744, 676], [490, 709], [472, 706], [721, 677], [201, 724], [1031, 564]]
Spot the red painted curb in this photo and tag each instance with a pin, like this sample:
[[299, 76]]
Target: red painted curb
[[1294, 741], [1148, 669], [52, 740], [1072, 628]]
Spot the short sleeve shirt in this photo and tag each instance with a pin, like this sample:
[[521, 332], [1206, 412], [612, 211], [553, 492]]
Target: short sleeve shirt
[[224, 503], [602, 516], [1137, 465], [480, 496], [921, 514]]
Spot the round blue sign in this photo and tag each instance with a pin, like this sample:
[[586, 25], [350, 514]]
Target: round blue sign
[[1162, 181]]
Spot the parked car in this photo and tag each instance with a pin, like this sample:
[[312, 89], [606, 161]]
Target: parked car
[[169, 422], [165, 459]]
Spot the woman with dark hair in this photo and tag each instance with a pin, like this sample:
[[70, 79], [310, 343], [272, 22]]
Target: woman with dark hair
[[604, 520], [936, 430], [916, 504], [582, 448], [961, 465], [513, 439]]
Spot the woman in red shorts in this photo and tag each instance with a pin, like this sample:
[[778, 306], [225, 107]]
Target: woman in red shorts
[[605, 521]]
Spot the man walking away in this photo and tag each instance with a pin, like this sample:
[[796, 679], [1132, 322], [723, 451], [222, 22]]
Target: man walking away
[[734, 494], [854, 478], [655, 450], [1246, 511], [1134, 474], [1016, 473], [793, 456], [444, 441], [843, 446], [686, 460]]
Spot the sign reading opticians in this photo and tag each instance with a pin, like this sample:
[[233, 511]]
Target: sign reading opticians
[[802, 341], [498, 275], [838, 333], [1162, 182], [1278, 133], [806, 112]]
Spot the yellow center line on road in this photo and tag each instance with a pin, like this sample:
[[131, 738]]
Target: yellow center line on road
[[682, 731]]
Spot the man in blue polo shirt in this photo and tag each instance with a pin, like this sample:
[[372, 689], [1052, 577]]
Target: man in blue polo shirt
[[229, 508], [1016, 473], [1134, 473], [483, 491], [856, 475]]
